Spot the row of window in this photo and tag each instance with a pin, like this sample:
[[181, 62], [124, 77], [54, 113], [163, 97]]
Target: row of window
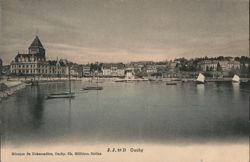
[[20, 59], [33, 66], [23, 66], [23, 71]]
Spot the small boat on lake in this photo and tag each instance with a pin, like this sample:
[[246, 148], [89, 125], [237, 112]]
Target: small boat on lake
[[131, 80], [236, 79], [93, 88], [96, 87], [61, 95], [200, 79], [171, 83], [68, 94]]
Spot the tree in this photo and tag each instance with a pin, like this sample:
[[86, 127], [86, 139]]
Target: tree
[[219, 68], [243, 68], [236, 59]]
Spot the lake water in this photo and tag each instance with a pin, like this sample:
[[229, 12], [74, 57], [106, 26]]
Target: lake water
[[133, 112]]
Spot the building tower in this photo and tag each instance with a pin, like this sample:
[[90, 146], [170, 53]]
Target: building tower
[[36, 47]]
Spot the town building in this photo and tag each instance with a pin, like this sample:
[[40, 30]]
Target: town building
[[225, 65], [86, 70], [209, 65], [34, 62], [113, 70], [234, 65], [129, 73], [151, 69]]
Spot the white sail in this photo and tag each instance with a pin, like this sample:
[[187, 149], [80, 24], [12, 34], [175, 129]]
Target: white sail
[[236, 78], [200, 78]]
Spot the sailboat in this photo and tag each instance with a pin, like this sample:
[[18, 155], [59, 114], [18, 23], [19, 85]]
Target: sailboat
[[200, 79], [94, 87], [236, 79], [66, 94]]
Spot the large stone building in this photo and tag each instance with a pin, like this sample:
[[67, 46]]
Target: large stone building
[[86, 71], [34, 62], [225, 65], [113, 70]]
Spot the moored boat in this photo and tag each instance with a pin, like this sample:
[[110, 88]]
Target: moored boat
[[63, 94], [93, 88], [171, 83]]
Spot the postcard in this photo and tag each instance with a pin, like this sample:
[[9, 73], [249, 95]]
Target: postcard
[[124, 80]]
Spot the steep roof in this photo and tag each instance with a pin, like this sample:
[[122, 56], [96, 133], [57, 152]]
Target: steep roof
[[36, 43]]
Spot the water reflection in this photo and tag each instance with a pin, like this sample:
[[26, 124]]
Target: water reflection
[[200, 89], [236, 90], [236, 87], [69, 114], [36, 106]]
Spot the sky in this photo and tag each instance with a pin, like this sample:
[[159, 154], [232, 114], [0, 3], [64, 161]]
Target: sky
[[85, 31]]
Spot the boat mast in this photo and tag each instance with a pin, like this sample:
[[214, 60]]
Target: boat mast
[[69, 80], [97, 74]]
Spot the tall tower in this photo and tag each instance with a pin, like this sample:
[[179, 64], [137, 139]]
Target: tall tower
[[36, 47]]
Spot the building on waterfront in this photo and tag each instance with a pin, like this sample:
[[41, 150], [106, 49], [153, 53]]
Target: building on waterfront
[[74, 71], [208, 65], [129, 73], [86, 70], [225, 65], [34, 62], [113, 70], [172, 68], [151, 69]]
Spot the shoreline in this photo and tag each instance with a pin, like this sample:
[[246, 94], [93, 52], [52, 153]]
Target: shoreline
[[12, 85], [7, 88]]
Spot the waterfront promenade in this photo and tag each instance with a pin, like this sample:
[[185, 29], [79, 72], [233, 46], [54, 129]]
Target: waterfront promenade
[[12, 85], [7, 88]]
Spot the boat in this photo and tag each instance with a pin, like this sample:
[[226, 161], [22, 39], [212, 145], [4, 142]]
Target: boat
[[68, 94], [171, 83], [131, 80], [244, 81], [61, 95], [93, 88], [200, 79], [236, 79], [120, 80]]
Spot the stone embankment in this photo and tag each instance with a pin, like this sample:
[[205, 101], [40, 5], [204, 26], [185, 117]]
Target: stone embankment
[[7, 88]]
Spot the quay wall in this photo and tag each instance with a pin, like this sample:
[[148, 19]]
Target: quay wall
[[7, 88]]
